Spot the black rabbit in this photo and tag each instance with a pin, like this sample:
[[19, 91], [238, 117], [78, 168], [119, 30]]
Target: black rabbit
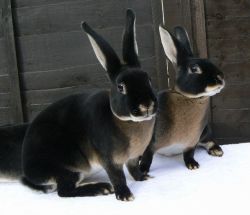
[[182, 119], [104, 128], [11, 139]]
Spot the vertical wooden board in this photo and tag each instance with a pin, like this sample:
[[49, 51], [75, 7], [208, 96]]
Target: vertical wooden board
[[3, 58], [8, 33], [160, 59], [6, 116], [199, 28]]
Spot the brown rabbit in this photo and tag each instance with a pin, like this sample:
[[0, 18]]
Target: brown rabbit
[[182, 116]]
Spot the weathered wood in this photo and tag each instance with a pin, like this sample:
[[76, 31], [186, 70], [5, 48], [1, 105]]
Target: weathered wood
[[227, 8], [232, 116], [6, 116], [233, 97], [48, 96], [186, 18], [68, 15], [16, 104], [4, 83], [4, 100], [236, 73], [199, 28], [59, 50], [230, 50], [32, 3], [90, 76], [235, 140], [232, 27], [234, 130]]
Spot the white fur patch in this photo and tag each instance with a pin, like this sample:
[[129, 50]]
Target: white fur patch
[[173, 149], [98, 52], [208, 92], [135, 42], [168, 45], [140, 119]]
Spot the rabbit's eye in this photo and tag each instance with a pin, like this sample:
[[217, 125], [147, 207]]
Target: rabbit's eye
[[195, 69], [121, 88]]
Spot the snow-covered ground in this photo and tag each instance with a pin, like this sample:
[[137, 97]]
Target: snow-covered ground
[[220, 186]]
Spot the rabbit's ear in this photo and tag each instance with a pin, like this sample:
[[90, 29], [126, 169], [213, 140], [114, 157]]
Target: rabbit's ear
[[169, 45], [103, 51], [130, 48], [182, 36]]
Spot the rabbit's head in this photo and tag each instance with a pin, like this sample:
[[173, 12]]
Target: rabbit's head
[[195, 77], [132, 96]]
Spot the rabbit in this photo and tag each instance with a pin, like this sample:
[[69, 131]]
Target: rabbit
[[10, 151], [105, 128], [182, 118]]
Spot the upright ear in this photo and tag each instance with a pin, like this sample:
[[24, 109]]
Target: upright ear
[[130, 48], [182, 36], [103, 51], [169, 45]]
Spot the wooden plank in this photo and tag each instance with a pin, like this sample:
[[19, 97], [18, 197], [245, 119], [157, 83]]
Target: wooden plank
[[68, 16], [235, 130], [48, 96], [232, 116], [32, 3], [199, 28], [236, 73], [187, 18], [3, 57], [223, 8], [16, 104], [233, 97], [230, 50], [235, 140], [234, 27], [4, 83], [6, 116], [4, 100], [89, 76], [60, 50]]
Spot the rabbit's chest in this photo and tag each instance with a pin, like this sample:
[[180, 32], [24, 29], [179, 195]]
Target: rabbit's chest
[[182, 128], [138, 136]]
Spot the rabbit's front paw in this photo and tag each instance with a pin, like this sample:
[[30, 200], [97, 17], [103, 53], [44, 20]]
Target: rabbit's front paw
[[192, 164], [124, 194], [216, 150]]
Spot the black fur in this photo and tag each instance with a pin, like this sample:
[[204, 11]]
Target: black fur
[[70, 135], [11, 138]]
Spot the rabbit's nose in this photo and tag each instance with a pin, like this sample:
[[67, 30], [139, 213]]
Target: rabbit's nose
[[147, 109]]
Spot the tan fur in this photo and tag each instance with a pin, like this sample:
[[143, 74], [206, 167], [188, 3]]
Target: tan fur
[[180, 120], [139, 135]]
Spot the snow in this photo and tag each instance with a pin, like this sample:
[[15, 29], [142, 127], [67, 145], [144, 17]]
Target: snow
[[221, 185]]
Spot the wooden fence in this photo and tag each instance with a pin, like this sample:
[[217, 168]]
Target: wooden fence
[[44, 55]]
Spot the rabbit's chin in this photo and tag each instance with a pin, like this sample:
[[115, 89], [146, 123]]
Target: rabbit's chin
[[208, 93], [134, 118], [140, 119]]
